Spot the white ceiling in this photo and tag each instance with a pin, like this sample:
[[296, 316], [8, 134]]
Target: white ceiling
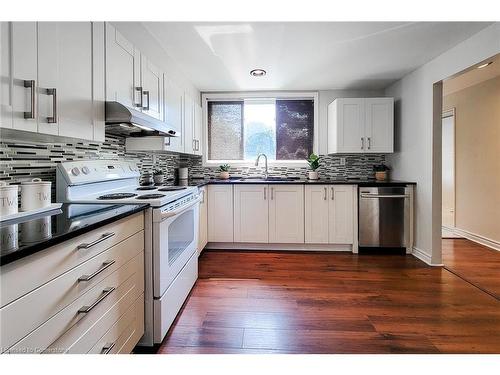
[[305, 56]]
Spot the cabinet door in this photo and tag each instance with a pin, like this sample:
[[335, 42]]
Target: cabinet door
[[24, 70], [123, 67], [65, 64], [379, 125], [152, 81], [203, 230], [220, 213], [348, 125], [251, 219], [189, 147], [316, 213], [341, 214], [286, 214], [197, 128], [173, 112]]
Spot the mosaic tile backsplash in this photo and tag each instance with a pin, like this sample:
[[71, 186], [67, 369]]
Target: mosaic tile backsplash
[[24, 161]]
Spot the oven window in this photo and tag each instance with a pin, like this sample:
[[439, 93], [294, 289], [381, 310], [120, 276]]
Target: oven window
[[180, 235]]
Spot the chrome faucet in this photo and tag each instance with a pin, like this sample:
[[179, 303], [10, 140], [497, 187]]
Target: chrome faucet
[[266, 174]]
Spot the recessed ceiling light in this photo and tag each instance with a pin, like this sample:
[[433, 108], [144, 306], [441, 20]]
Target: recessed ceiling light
[[258, 72], [485, 65]]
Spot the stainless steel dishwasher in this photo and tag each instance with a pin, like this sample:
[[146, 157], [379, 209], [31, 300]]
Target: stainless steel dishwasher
[[384, 217]]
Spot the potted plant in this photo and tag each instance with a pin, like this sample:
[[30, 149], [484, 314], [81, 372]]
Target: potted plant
[[158, 176], [224, 171], [381, 172], [313, 162]]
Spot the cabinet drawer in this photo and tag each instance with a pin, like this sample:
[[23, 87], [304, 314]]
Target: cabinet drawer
[[67, 327], [125, 333], [36, 307], [24, 275]]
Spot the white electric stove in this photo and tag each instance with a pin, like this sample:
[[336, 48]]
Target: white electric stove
[[171, 231]]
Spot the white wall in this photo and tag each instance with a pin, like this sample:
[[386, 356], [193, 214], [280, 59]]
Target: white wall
[[418, 144], [147, 44], [328, 96]]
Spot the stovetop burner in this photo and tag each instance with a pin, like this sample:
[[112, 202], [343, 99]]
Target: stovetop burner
[[117, 196], [146, 188], [150, 196], [172, 188]]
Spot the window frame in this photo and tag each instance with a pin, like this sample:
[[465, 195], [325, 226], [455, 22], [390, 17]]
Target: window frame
[[276, 95]]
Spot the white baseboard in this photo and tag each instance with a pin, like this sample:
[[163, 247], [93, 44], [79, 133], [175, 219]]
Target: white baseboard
[[495, 245], [276, 246], [448, 232], [424, 257]]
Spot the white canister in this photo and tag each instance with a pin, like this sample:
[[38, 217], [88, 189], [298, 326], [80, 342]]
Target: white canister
[[35, 194], [8, 199], [183, 173], [36, 230], [9, 237]]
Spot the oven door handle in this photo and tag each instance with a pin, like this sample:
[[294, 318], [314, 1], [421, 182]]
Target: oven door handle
[[167, 214], [362, 195]]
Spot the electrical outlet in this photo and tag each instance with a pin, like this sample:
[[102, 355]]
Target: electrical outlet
[[342, 161]]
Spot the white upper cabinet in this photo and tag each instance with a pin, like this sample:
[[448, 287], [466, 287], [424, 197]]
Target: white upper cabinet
[[57, 81], [286, 213], [152, 89], [329, 214], [197, 128], [379, 125], [19, 85], [316, 214], [173, 98], [188, 128], [123, 70], [361, 125], [66, 94], [251, 213]]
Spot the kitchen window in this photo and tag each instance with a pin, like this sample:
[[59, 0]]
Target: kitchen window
[[240, 128]]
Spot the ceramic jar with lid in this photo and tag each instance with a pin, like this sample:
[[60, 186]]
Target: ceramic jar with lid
[[8, 199], [35, 194]]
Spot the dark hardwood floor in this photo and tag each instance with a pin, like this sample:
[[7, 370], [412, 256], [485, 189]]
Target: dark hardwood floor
[[281, 302], [475, 263]]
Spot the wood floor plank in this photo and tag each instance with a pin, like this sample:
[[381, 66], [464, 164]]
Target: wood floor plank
[[277, 302]]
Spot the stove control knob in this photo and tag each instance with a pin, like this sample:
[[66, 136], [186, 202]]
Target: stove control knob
[[85, 170], [75, 171]]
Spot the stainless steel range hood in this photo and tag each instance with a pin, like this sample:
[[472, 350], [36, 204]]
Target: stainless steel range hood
[[125, 121]]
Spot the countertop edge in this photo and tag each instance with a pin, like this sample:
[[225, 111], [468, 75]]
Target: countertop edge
[[14, 256], [301, 182]]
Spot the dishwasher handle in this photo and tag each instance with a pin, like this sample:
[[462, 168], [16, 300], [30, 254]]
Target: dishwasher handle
[[364, 195]]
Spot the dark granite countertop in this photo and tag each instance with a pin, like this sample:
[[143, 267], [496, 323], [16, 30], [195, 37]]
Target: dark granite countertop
[[23, 237], [297, 181]]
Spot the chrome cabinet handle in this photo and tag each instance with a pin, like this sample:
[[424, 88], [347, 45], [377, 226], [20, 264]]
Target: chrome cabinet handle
[[53, 119], [272, 193], [138, 89], [194, 144], [333, 194], [105, 236], [31, 85], [324, 195], [197, 145], [146, 92], [265, 193], [362, 143], [104, 266], [369, 143], [106, 292], [107, 347]]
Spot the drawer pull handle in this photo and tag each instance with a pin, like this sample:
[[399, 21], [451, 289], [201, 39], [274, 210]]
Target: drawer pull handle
[[94, 274], [107, 347], [105, 236], [106, 292]]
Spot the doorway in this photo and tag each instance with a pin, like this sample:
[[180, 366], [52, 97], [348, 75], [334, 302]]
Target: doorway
[[448, 174]]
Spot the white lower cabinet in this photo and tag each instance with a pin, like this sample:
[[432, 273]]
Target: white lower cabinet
[[220, 213], [286, 213], [251, 219], [329, 214], [203, 224]]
